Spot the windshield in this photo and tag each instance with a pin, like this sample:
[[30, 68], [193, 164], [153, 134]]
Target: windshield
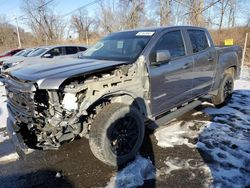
[[37, 52], [27, 52], [20, 53], [123, 46]]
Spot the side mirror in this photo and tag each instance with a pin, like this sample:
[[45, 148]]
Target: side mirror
[[162, 56], [48, 56]]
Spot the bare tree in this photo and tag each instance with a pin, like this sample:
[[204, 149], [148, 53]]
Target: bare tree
[[42, 20], [232, 11], [109, 17], [122, 14], [163, 10], [195, 9], [134, 11], [223, 7], [8, 35], [82, 23]]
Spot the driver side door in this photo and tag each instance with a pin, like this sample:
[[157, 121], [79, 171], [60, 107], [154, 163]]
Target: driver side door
[[171, 81]]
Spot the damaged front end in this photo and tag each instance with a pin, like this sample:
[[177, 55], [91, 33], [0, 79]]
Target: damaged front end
[[42, 119], [46, 118]]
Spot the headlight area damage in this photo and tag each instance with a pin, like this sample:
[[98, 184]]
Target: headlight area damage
[[48, 118]]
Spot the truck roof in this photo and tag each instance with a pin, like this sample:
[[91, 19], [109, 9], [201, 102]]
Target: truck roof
[[159, 29]]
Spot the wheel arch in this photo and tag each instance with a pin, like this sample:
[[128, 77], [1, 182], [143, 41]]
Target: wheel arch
[[124, 97], [227, 63]]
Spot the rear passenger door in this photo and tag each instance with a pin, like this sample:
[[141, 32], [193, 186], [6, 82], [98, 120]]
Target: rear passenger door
[[71, 50], [204, 61], [171, 82], [55, 52]]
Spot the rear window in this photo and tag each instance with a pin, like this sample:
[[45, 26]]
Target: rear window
[[71, 50], [82, 49], [198, 40], [15, 51]]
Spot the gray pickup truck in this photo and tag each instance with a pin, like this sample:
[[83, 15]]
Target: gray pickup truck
[[124, 80]]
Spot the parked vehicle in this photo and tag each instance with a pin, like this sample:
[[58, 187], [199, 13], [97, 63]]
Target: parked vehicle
[[47, 52], [122, 81], [22, 53], [10, 53]]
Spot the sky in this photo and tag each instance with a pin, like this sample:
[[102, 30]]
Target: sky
[[12, 8]]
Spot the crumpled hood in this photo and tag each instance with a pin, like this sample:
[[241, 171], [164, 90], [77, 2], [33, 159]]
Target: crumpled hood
[[50, 73]]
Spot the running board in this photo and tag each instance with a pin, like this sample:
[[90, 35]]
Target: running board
[[178, 112]]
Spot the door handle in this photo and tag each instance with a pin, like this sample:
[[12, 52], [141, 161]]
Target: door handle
[[210, 59], [186, 66]]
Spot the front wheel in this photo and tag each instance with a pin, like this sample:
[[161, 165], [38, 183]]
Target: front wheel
[[225, 90], [116, 134]]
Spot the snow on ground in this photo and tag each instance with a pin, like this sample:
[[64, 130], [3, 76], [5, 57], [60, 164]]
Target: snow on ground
[[177, 133], [223, 142], [134, 174], [173, 164], [226, 141], [7, 150], [3, 108]]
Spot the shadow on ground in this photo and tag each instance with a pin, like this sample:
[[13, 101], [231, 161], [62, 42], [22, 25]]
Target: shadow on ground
[[223, 145], [40, 178]]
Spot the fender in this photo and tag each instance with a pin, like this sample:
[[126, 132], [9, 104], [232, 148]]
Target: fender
[[225, 61]]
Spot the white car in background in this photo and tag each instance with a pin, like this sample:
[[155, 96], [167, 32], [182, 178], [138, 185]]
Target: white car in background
[[54, 51], [21, 54]]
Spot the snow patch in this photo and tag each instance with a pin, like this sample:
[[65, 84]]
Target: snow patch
[[223, 142], [178, 133], [9, 158], [3, 107], [3, 136], [245, 73], [134, 174], [181, 164], [7, 150]]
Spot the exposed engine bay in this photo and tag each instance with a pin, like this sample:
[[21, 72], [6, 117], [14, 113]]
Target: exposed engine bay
[[48, 118]]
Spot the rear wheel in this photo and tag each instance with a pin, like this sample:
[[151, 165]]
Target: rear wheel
[[225, 90], [116, 134]]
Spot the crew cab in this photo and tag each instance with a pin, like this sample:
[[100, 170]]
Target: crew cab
[[124, 80]]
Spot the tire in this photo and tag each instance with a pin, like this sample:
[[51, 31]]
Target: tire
[[225, 91], [116, 134]]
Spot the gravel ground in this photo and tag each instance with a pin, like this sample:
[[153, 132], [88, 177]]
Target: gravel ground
[[203, 148], [78, 167]]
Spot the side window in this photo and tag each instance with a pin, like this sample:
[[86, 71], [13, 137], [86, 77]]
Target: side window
[[55, 52], [198, 40], [173, 42], [82, 49], [71, 50], [14, 52]]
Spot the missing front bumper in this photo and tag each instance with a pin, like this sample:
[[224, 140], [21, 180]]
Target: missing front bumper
[[17, 139]]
